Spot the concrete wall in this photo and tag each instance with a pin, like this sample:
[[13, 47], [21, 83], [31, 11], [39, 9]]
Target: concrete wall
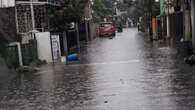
[[7, 24]]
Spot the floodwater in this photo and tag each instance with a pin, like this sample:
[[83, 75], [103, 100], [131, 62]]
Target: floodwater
[[123, 73]]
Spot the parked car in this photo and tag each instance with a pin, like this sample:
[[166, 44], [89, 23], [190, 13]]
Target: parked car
[[106, 29]]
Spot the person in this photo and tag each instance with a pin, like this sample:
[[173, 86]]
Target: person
[[120, 28], [138, 26]]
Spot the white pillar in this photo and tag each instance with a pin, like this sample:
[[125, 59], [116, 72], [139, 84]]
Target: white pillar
[[65, 43], [18, 45], [20, 54]]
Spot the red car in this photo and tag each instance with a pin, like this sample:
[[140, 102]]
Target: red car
[[106, 29]]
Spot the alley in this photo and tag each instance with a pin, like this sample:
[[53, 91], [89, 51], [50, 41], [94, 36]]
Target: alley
[[123, 73]]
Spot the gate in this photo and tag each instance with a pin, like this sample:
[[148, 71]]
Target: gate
[[29, 52], [72, 41], [12, 57]]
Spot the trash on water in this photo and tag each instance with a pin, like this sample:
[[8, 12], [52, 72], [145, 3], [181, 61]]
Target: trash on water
[[63, 59], [105, 101], [73, 57]]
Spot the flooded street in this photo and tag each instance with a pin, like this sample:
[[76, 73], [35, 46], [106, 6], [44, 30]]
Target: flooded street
[[123, 73]]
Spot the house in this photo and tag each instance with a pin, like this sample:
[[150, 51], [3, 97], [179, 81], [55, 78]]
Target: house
[[33, 15], [179, 22]]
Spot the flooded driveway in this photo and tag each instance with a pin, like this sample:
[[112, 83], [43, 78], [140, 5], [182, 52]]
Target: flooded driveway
[[123, 73]]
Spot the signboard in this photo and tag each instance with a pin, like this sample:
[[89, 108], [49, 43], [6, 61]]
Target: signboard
[[55, 47]]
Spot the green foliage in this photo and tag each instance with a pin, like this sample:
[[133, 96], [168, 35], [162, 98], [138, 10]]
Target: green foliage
[[156, 9], [147, 6], [108, 3], [129, 2], [101, 10], [70, 11], [146, 9]]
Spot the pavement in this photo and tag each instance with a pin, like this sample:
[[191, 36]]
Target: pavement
[[123, 73]]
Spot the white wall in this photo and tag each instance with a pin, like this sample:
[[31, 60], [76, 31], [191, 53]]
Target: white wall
[[7, 3], [44, 46]]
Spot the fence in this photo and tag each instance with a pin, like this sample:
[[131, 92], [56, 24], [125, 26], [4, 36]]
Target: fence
[[72, 41], [82, 32], [29, 54]]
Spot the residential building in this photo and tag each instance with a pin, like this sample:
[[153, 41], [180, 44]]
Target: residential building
[[179, 23], [34, 14]]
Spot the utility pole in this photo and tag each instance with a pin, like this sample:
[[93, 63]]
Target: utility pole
[[168, 21], [32, 18], [32, 15]]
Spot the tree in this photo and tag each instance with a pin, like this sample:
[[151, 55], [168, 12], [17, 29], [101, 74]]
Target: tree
[[70, 11], [101, 10], [147, 9], [129, 2]]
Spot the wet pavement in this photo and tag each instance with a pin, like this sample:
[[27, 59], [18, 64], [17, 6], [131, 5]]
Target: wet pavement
[[123, 73]]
